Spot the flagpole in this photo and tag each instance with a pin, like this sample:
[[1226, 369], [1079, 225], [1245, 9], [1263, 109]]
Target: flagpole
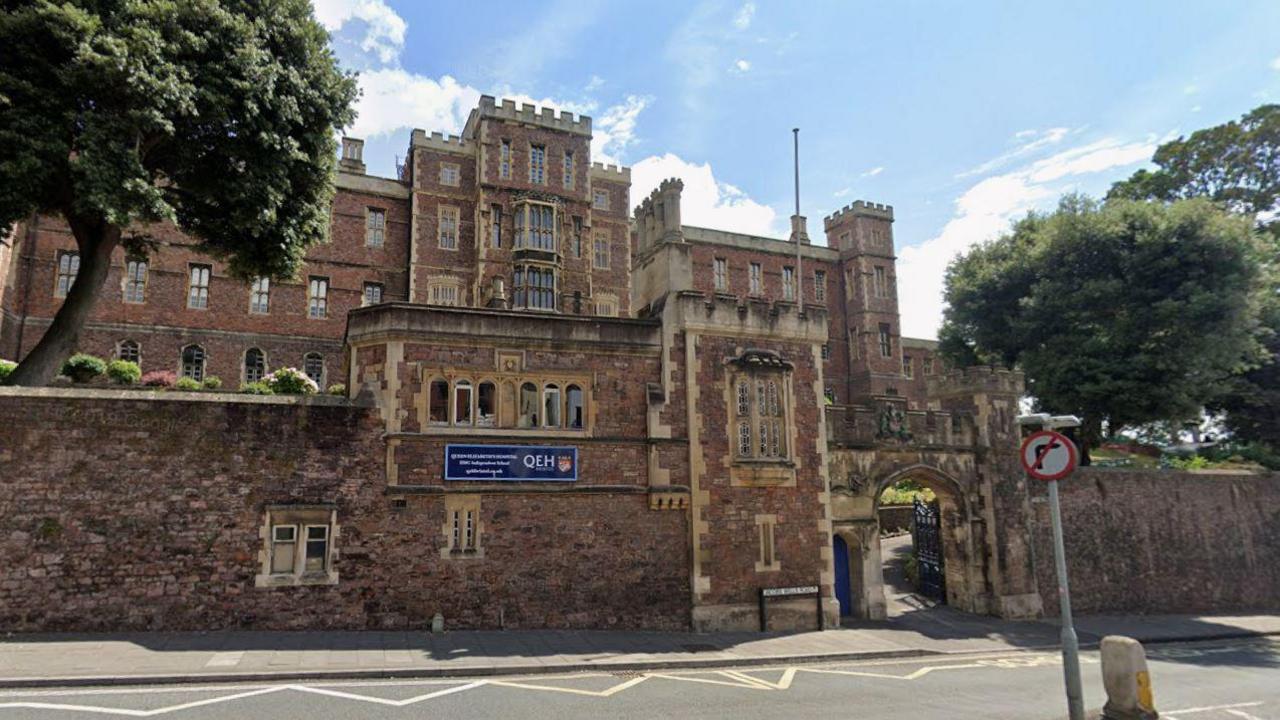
[[795, 228]]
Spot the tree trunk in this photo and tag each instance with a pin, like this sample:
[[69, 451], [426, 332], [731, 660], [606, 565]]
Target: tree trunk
[[95, 241]]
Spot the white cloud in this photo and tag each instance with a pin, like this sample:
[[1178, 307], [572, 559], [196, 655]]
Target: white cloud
[[384, 29], [616, 129], [742, 20], [595, 83], [986, 209], [1042, 139], [706, 201], [1190, 89], [872, 172], [842, 192], [393, 99], [1275, 64], [741, 66], [1196, 108]]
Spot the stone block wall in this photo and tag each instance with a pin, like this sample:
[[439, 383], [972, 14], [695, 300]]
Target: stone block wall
[[138, 510], [1163, 542]]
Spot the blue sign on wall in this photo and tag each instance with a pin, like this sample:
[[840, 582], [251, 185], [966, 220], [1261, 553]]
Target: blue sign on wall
[[510, 462]]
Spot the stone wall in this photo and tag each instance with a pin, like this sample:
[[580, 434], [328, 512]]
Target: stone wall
[[1163, 542], [140, 510]]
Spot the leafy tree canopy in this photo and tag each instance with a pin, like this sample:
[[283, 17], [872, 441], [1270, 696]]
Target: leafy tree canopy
[[1237, 163], [1123, 313], [219, 117]]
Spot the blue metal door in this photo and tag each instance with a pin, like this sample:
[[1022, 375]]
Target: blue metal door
[[842, 576]]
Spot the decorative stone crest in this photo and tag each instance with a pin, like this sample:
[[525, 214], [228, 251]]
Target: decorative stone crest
[[892, 424]]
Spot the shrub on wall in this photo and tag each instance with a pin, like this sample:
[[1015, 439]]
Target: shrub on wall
[[6, 367], [257, 388], [82, 367], [124, 372], [213, 382], [337, 389], [291, 381], [186, 383], [160, 378]]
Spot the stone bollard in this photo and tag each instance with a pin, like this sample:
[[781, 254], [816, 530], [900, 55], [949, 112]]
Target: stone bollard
[[437, 624], [1125, 677]]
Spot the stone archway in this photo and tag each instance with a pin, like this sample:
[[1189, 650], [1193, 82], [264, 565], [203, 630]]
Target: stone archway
[[861, 535]]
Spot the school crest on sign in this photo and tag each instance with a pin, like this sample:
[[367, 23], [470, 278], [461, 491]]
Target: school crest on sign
[[564, 463]]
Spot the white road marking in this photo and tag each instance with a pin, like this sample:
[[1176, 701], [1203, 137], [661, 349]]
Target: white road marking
[[142, 713], [574, 691], [384, 701], [1209, 708], [1242, 714]]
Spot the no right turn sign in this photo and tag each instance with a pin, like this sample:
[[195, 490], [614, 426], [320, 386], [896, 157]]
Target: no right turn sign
[[1048, 455]]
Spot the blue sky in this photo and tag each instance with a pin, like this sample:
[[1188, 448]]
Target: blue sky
[[962, 115]]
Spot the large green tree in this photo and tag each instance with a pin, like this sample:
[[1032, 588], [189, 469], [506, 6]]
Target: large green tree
[[1236, 164], [1123, 313], [218, 116]]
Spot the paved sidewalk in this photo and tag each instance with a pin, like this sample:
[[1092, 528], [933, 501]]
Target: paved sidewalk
[[129, 658]]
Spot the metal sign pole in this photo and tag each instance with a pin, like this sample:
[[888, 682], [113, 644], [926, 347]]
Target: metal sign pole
[[1070, 644]]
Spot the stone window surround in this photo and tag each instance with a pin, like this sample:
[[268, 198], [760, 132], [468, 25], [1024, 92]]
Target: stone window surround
[[758, 471], [375, 227], [462, 540], [450, 174], [601, 260], [244, 364], [317, 297], [499, 381], [198, 294], [600, 199], [301, 516], [455, 216], [67, 270], [444, 283], [137, 346], [135, 288], [606, 299], [766, 526]]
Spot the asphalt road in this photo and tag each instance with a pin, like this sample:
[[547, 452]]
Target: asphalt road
[[1228, 680]]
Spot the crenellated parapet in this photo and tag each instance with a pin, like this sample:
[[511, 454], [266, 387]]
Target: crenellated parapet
[[443, 143], [977, 379], [532, 115], [859, 208], [611, 173], [657, 218]]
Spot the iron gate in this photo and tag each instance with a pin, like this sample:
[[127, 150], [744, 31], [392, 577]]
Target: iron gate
[[926, 541]]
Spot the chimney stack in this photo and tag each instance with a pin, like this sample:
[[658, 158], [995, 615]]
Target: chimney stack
[[352, 156]]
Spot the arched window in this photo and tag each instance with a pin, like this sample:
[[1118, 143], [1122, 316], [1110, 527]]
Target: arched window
[[486, 405], [528, 405], [313, 366], [193, 362], [462, 402], [551, 406], [255, 365], [129, 350], [573, 403], [438, 402]]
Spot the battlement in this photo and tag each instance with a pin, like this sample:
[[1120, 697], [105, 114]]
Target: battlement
[[443, 143], [670, 185], [615, 173], [859, 208], [977, 379], [542, 117], [727, 315]]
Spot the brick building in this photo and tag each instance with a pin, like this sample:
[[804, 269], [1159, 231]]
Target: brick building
[[701, 414]]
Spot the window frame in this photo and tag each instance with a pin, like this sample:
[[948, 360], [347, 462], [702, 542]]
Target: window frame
[[198, 295], [317, 297], [569, 170], [244, 365], [375, 227], [504, 159], [301, 520], [788, 282], [600, 199], [65, 274], [820, 286], [885, 339], [134, 288], [364, 295], [755, 277], [450, 170], [760, 410], [260, 287], [600, 240], [453, 215], [198, 373], [537, 164], [317, 356], [136, 351], [720, 274]]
